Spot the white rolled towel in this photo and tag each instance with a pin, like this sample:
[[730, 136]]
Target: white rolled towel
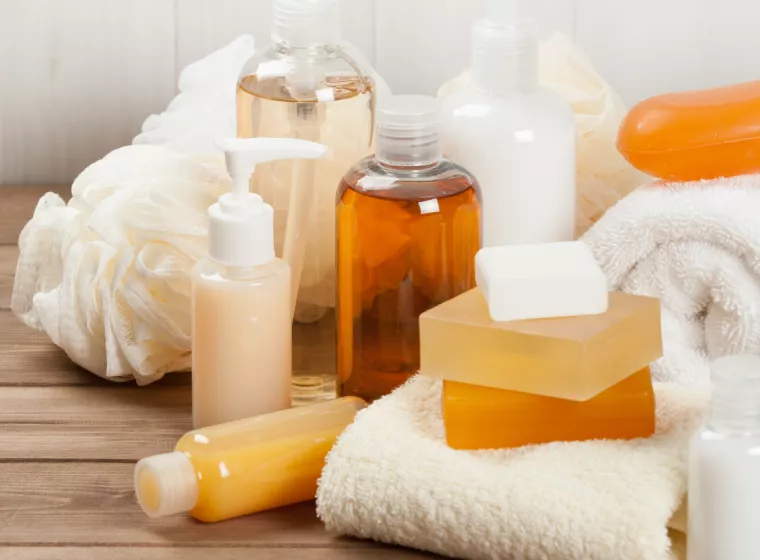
[[696, 246], [392, 478]]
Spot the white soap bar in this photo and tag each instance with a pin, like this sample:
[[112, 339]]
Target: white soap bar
[[541, 281]]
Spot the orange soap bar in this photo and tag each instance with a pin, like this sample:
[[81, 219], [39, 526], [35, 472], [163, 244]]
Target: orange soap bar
[[484, 418], [696, 134], [572, 358]]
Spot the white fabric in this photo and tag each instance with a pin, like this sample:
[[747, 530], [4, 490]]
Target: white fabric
[[696, 246], [107, 276], [603, 176], [392, 478]]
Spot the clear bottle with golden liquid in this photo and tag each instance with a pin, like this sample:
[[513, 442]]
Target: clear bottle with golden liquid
[[306, 86], [408, 224]]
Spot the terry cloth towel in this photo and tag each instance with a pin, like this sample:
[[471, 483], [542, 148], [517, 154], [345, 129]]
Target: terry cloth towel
[[392, 478], [696, 246]]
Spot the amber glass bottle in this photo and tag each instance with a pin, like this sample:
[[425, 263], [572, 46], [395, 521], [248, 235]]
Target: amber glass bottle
[[408, 225]]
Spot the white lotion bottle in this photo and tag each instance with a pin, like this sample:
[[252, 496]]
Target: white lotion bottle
[[724, 467], [241, 296], [515, 136]]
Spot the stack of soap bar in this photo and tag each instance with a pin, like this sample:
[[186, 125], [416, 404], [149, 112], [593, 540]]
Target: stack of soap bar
[[479, 417], [541, 352], [541, 281], [573, 358]]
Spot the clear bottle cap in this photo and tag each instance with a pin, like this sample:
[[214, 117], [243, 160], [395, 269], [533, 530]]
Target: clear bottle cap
[[736, 393], [166, 484], [407, 131], [505, 47], [306, 23]]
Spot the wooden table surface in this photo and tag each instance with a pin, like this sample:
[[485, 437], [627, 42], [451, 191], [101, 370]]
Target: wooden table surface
[[69, 442]]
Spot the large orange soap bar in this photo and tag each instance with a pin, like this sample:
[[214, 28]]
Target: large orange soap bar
[[696, 134], [572, 358], [485, 418]]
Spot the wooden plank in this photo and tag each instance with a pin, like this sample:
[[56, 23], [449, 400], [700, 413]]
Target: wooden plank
[[206, 25], [8, 259], [89, 423], [432, 38], [114, 423], [94, 504], [378, 552], [85, 75], [17, 206]]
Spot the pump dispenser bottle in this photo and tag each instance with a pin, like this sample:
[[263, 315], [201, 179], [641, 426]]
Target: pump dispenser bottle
[[307, 86], [515, 136], [724, 467], [241, 297], [408, 231]]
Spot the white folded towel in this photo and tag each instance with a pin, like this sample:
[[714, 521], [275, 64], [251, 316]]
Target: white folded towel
[[696, 246], [392, 478]]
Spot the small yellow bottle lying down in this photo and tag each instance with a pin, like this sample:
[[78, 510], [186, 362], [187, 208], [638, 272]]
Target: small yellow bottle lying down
[[245, 466]]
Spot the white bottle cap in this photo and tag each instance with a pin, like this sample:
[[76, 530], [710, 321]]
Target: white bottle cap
[[241, 224], [166, 484], [306, 23], [505, 47], [407, 131]]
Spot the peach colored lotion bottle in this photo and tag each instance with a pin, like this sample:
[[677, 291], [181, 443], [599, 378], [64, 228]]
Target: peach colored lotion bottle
[[241, 296]]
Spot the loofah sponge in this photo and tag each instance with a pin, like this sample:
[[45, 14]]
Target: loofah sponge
[[107, 276]]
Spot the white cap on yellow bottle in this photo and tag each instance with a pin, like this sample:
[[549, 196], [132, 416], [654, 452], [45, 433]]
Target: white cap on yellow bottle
[[166, 484], [241, 224]]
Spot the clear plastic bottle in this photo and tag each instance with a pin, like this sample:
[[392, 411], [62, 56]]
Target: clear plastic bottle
[[241, 297], [246, 466], [724, 467], [515, 136], [408, 232], [307, 86]]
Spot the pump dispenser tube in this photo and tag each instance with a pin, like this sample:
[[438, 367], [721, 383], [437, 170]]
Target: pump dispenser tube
[[241, 296]]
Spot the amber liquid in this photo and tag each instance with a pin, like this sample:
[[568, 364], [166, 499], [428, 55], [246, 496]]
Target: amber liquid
[[401, 250]]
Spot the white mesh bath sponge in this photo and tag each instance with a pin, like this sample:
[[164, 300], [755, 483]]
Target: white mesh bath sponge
[[107, 276]]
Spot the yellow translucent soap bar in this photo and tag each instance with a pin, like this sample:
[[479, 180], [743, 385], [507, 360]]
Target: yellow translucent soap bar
[[572, 358], [484, 418]]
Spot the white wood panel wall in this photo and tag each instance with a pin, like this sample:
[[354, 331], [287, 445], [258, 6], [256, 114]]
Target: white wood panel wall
[[78, 77]]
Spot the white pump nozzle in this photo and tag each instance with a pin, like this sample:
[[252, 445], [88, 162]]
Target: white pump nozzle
[[242, 155], [241, 224]]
